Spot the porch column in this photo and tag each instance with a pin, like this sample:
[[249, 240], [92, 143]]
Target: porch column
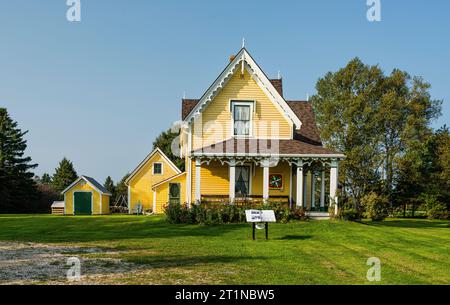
[[232, 178], [322, 191], [299, 196], [313, 190], [334, 183], [265, 165], [198, 166]]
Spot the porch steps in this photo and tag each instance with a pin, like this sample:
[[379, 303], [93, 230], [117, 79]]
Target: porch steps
[[318, 215]]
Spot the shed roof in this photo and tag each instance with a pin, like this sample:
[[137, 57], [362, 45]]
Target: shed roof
[[92, 182], [57, 204]]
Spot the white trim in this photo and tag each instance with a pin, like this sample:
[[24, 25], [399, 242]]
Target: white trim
[[258, 75], [87, 181], [64, 203], [149, 156], [234, 102], [322, 190], [198, 167], [92, 200], [232, 181], [129, 198], [154, 202], [265, 182], [154, 186], [153, 169], [290, 185]]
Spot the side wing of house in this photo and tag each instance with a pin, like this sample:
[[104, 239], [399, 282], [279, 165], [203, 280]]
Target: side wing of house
[[156, 167]]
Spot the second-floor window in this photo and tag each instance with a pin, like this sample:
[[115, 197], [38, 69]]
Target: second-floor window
[[242, 118], [157, 168]]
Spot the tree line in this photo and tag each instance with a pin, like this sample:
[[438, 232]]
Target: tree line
[[383, 125], [21, 191]]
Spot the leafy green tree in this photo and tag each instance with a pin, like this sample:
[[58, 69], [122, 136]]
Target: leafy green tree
[[109, 185], [17, 187], [345, 105], [64, 175], [165, 141], [46, 179], [376, 120]]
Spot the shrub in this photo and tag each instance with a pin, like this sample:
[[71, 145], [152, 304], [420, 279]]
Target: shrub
[[220, 213], [376, 206], [350, 214], [435, 209]]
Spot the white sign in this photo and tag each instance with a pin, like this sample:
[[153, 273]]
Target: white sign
[[260, 216]]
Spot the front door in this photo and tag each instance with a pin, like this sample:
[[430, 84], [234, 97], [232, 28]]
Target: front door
[[242, 183], [174, 193], [82, 203]]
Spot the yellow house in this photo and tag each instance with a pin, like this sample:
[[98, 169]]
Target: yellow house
[[242, 140], [85, 196], [155, 168]]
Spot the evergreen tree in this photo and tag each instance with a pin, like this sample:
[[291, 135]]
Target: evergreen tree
[[17, 187], [46, 179], [165, 141], [109, 185], [64, 175]]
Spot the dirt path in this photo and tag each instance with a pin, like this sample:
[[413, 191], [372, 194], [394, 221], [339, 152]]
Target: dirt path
[[33, 263]]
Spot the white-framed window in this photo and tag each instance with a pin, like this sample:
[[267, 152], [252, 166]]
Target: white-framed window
[[242, 118], [157, 168]]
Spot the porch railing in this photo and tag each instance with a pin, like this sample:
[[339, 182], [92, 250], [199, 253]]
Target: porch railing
[[250, 199]]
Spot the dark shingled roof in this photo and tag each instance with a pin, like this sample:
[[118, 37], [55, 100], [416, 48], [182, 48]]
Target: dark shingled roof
[[97, 185], [261, 146], [278, 84]]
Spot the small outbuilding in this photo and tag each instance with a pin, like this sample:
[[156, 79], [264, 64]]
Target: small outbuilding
[[85, 196], [57, 208]]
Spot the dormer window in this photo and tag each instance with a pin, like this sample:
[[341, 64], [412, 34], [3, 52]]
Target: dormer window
[[242, 112]]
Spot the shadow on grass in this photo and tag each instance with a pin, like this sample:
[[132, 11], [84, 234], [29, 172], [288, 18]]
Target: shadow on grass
[[410, 223], [45, 228], [295, 237], [185, 261]]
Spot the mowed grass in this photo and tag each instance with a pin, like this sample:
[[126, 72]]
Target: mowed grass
[[315, 252]]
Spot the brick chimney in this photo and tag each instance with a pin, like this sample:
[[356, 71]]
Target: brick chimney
[[278, 84]]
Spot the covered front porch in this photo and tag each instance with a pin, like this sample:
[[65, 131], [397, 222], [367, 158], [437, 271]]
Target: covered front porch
[[308, 182]]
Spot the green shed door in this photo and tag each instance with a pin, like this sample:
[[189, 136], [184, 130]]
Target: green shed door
[[83, 203]]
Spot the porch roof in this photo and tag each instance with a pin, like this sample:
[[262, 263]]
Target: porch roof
[[262, 147]]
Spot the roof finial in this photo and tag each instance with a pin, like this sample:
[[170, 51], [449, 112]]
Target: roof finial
[[243, 42], [184, 95], [307, 97], [279, 74]]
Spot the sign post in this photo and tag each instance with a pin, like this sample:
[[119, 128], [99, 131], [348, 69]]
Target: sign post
[[257, 218]]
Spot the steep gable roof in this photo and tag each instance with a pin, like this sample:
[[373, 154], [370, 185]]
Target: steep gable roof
[[242, 60], [92, 182], [149, 156]]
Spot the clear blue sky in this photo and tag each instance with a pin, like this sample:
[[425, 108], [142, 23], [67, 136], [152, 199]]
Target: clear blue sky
[[99, 91]]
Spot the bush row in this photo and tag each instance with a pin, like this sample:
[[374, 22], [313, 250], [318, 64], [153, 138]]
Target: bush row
[[226, 213]]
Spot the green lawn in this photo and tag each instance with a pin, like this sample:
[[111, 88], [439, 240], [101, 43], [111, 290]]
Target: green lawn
[[315, 252]]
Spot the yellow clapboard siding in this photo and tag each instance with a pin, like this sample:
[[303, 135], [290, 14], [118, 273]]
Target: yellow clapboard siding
[[216, 118], [82, 186], [162, 193], [105, 204], [141, 184], [215, 179]]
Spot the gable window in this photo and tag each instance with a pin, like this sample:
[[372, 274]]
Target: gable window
[[157, 169], [242, 118]]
